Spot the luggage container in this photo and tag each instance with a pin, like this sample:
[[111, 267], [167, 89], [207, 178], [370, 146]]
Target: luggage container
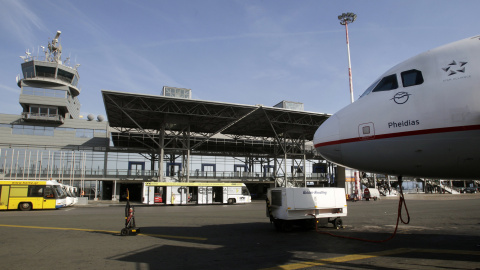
[[288, 207]]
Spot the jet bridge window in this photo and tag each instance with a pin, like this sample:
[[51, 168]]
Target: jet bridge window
[[387, 83], [411, 78]]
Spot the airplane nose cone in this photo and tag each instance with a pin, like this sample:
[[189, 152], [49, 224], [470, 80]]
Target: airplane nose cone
[[327, 138]]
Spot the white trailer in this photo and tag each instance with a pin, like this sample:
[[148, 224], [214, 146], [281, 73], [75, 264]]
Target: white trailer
[[287, 207]]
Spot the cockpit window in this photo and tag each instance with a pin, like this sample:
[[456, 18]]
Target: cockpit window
[[411, 78], [369, 89], [387, 83]]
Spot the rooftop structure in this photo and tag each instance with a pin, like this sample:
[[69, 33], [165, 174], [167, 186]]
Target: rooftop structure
[[161, 125]]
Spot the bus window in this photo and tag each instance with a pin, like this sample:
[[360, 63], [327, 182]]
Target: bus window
[[35, 191], [49, 192], [59, 193]]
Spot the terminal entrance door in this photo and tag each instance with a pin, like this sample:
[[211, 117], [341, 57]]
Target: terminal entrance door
[[107, 190], [136, 168]]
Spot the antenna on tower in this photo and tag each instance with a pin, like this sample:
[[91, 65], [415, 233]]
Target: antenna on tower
[[55, 51]]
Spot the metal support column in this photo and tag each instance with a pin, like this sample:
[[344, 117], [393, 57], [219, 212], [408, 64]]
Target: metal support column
[[105, 162], [114, 195], [304, 166], [161, 152], [285, 170]]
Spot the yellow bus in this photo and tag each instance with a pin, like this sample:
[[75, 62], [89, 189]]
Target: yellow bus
[[28, 195]]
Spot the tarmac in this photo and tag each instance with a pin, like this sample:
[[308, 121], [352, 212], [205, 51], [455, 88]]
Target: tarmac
[[443, 233]]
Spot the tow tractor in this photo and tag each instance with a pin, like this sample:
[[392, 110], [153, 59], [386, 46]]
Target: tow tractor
[[289, 207], [130, 228]]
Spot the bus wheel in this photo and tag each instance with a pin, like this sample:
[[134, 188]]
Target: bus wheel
[[25, 206], [230, 201]]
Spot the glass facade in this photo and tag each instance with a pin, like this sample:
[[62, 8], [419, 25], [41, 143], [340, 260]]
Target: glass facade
[[49, 131]]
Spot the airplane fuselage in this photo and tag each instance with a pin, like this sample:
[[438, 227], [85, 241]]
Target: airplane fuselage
[[421, 118]]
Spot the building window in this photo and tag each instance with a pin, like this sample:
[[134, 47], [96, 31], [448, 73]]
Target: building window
[[43, 71], [35, 191], [44, 92], [32, 130], [64, 75], [84, 133], [43, 111], [100, 132]]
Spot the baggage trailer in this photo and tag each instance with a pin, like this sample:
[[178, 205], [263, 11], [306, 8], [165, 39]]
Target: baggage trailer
[[287, 207]]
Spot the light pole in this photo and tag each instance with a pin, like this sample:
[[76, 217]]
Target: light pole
[[345, 19]]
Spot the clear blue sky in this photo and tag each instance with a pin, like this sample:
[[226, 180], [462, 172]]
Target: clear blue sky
[[247, 52]]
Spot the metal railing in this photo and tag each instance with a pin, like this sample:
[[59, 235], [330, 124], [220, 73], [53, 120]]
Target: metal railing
[[143, 175]]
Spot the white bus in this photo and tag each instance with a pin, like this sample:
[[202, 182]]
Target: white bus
[[194, 193], [71, 197]]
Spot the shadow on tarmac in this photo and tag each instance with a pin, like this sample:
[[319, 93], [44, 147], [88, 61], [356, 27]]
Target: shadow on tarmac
[[258, 245]]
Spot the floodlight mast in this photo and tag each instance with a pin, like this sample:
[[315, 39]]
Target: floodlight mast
[[345, 19]]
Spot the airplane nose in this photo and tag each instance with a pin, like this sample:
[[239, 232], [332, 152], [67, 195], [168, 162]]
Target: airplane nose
[[327, 138]]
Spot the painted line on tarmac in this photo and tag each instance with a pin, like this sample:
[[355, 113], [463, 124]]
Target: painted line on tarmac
[[354, 257], [175, 236], [105, 231]]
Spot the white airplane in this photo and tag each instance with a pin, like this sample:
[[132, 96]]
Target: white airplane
[[421, 118]]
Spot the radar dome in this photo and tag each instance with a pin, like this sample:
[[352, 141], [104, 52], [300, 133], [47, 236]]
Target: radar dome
[[90, 117]]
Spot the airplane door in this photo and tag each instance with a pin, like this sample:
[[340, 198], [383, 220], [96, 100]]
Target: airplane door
[[366, 131]]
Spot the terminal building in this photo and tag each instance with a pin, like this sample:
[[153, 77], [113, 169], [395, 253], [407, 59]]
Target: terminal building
[[165, 137]]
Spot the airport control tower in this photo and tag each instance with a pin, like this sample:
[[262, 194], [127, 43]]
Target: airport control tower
[[49, 87]]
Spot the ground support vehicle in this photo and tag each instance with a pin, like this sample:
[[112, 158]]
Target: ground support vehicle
[[371, 193], [130, 227], [179, 193], [289, 207], [28, 195]]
